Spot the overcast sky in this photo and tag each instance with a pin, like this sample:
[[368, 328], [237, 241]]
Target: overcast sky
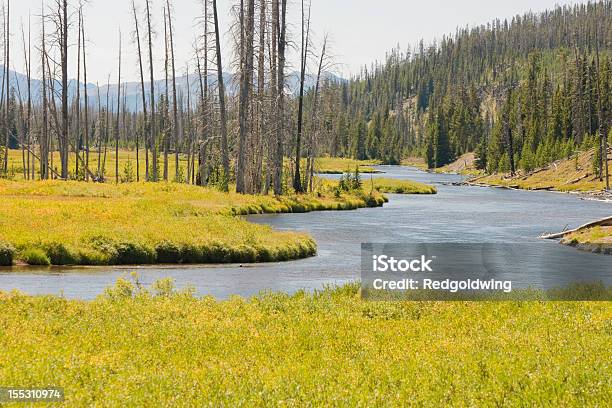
[[361, 31]]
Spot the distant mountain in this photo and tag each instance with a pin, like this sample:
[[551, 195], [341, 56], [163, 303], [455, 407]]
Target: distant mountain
[[133, 98]]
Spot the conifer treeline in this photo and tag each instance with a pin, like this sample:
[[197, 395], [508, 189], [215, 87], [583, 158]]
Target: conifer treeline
[[521, 93]]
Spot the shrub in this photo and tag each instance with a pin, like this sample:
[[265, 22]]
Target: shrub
[[35, 256], [123, 289], [164, 287], [59, 254], [191, 253], [168, 252], [7, 252], [134, 253]]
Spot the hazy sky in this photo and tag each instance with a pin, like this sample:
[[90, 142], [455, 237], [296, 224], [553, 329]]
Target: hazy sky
[[361, 31]]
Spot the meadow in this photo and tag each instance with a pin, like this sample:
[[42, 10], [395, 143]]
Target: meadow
[[339, 165], [323, 165], [161, 347], [71, 222]]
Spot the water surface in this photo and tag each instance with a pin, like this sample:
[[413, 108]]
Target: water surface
[[455, 214]]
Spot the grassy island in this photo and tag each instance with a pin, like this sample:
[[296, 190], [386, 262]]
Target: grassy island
[[69, 223], [395, 186]]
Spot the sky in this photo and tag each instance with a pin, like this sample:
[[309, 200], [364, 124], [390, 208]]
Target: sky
[[360, 31]]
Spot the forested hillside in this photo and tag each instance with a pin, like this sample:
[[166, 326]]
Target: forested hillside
[[520, 92]]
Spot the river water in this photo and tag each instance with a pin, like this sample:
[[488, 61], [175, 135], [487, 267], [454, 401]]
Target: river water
[[455, 214]]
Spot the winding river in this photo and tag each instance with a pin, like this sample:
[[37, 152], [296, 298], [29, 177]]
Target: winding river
[[455, 214]]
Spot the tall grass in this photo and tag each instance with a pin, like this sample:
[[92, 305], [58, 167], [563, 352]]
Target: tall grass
[[160, 347], [396, 186]]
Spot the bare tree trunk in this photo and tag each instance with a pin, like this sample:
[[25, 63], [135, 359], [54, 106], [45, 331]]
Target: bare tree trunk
[[86, 124], [77, 130], [152, 97], [118, 113], [29, 163], [245, 88], [174, 104], [204, 112], [6, 81], [282, 26], [166, 137], [222, 109], [142, 91], [100, 130], [106, 127], [271, 166], [297, 180], [64, 62], [202, 141], [261, 77], [188, 131], [315, 105], [44, 142]]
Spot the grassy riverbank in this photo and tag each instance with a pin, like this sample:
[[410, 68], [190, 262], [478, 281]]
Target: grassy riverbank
[[594, 239], [330, 348], [568, 175], [56, 222], [395, 186]]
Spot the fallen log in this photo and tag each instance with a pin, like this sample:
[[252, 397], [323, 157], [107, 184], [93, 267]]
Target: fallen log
[[604, 222], [574, 181]]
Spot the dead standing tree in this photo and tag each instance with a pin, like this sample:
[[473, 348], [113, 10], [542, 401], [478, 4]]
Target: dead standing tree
[[44, 134], [86, 107], [175, 124], [118, 114], [297, 180], [142, 91], [245, 90], [324, 63], [222, 108], [7, 44], [280, 17], [60, 18], [152, 96]]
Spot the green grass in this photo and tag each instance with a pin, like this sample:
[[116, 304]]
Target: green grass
[[125, 155], [144, 223], [162, 348], [595, 239], [568, 175], [339, 165], [395, 186]]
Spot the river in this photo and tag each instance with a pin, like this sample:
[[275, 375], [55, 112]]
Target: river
[[455, 214]]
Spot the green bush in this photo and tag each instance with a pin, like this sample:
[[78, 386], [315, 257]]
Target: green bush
[[35, 256], [59, 254], [168, 252], [7, 252], [134, 253]]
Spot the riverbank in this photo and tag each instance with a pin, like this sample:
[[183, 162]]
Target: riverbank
[[77, 223], [573, 175], [595, 239], [326, 348]]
